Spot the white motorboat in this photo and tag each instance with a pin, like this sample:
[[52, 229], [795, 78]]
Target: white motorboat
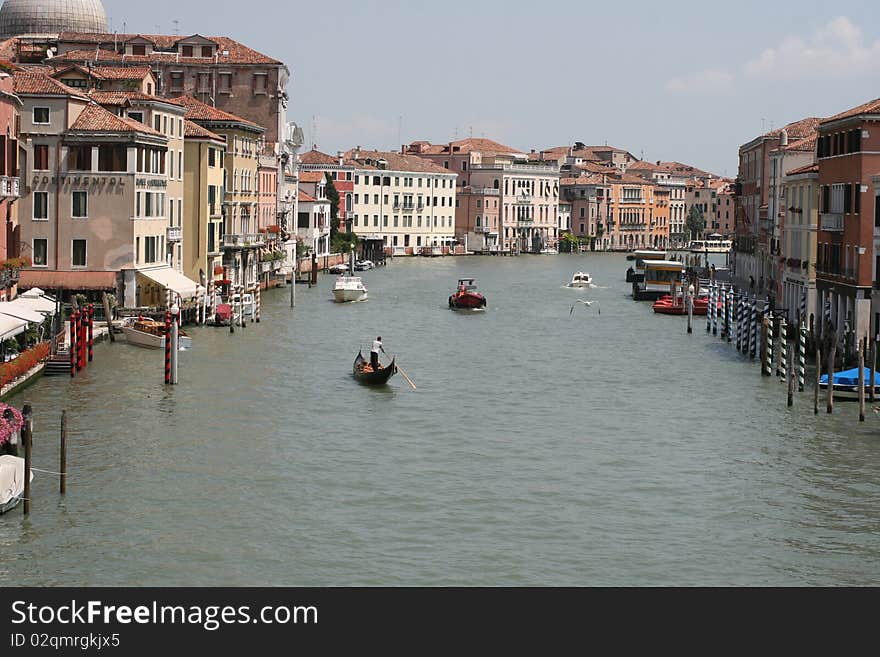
[[151, 334], [711, 245], [11, 482], [341, 268], [364, 265], [581, 279], [349, 288]]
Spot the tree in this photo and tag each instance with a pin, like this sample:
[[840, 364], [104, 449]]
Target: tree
[[695, 222], [333, 197]]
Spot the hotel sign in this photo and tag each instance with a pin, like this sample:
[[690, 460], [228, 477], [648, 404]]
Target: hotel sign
[[79, 180], [152, 182]]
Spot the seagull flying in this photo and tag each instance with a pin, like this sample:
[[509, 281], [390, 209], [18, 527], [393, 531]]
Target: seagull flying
[[586, 303]]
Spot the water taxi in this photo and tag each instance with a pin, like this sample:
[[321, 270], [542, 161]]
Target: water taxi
[[581, 279], [466, 296], [349, 288], [710, 246], [151, 334]]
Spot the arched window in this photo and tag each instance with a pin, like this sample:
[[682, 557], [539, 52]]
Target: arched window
[[496, 184]]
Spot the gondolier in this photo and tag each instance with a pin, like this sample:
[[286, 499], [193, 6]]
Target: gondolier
[[374, 353]]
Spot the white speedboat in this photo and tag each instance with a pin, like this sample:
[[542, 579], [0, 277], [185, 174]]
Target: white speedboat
[[364, 265], [549, 251], [349, 288], [151, 334], [11, 482], [581, 279], [341, 268]]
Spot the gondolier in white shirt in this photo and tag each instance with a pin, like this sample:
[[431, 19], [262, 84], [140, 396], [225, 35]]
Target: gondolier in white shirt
[[374, 353]]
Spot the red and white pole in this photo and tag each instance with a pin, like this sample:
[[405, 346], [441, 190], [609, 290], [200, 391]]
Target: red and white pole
[[168, 347], [91, 331], [72, 347]]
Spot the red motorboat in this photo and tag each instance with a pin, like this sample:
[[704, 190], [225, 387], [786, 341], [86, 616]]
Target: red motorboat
[[665, 306], [466, 296], [223, 315]]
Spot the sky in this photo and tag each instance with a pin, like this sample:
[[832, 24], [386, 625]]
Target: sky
[[673, 80]]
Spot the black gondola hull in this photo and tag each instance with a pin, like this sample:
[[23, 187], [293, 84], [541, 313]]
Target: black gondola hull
[[371, 378]]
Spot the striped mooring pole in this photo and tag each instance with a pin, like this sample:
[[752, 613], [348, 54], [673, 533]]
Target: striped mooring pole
[[802, 356], [81, 340], [782, 370], [768, 354], [739, 324], [753, 330], [258, 301], [714, 288], [167, 347], [91, 331], [72, 348], [709, 311]]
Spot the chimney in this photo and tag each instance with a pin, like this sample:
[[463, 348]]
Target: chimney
[[658, 163], [340, 157]]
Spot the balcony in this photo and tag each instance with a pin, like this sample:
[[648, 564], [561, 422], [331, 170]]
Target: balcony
[[243, 241], [524, 199], [525, 222], [832, 222], [173, 234], [481, 229], [632, 201], [10, 187]]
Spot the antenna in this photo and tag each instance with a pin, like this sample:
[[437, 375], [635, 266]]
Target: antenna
[[471, 132], [762, 125], [399, 129], [314, 130], [176, 27]]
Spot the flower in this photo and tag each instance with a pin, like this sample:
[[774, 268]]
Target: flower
[[11, 421]]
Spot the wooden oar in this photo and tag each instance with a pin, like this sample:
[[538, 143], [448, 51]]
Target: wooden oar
[[408, 380]]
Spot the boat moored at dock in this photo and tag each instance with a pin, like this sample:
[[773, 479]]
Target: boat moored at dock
[[846, 383], [658, 279], [11, 482], [636, 274], [151, 334]]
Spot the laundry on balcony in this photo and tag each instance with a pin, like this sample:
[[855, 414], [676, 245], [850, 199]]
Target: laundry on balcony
[[173, 280]]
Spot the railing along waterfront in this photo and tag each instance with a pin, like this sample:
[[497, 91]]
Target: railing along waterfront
[[244, 240]]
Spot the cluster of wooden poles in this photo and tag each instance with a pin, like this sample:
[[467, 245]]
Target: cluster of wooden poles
[[27, 440], [742, 318]]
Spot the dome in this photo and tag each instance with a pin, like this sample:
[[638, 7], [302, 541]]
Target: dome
[[43, 17]]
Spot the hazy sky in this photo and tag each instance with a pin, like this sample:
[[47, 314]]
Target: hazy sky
[[671, 80]]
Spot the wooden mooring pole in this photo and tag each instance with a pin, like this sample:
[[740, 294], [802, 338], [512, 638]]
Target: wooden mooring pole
[[792, 379], [863, 344], [832, 352], [106, 302], [63, 470], [818, 378], [873, 370], [26, 431]]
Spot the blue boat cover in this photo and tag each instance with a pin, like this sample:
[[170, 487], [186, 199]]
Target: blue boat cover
[[850, 377]]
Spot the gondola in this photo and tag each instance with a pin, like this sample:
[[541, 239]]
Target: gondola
[[371, 378]]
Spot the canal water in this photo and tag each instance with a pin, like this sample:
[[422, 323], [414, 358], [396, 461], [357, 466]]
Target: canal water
[[543, 446]]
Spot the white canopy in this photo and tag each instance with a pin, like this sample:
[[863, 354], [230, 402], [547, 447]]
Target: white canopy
[[33, 293], [37, 304], [173, 280], [21, 311], [11, 326]]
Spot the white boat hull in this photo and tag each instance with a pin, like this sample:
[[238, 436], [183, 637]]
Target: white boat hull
[[346, 296], [11, 482], [150, 341]]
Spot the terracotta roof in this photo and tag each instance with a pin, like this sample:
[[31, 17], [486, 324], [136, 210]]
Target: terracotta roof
[[195, 131], [464, 146], [95, 118], [311, 176], [798, 129], [315, 156], [40, 84], [123, 98], [396, 162], [803, 145], [592, 179], [8, 48], [121, 72], [871, 107], [306, 197], [238, 53], [196, 110], [810, 168]]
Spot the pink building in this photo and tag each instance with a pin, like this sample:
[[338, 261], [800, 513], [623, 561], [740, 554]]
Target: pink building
[[10, 186]]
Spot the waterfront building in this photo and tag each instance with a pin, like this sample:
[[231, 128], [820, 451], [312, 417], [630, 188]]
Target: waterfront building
[[166, 117], [313, 212], [478, 218], [586, 195], [630, 213], [875, 298], [528, 192], [848, 153], [800, 189], [95, 215], [267, 218], [407, 202], [10, 183], [203, 176], [241, 240], [342, 172], [757, 233]]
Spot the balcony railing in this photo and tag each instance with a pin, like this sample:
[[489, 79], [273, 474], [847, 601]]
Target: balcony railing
[[10, 187], [173, 234], [525, 222], [631, 200], [243, 241], [833, 223], [481, 229], [524, 199]]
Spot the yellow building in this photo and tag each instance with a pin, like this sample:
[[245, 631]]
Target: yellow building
[[241, 239], [203, 204]]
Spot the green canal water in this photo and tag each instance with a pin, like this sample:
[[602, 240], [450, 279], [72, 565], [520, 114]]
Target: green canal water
[[542, 447]]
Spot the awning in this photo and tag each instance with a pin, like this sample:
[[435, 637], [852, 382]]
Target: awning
[[39, 304], [11, 326], [68, 280], [173, 280], [21, 311], [33, 293]]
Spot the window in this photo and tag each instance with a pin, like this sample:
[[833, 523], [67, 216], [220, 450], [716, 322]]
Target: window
[[225, 83], [41, 157], [79, 158], [41, 206], [212, 157], [136, 116], [78, 253], [176, 80], [150, 250], [139, 49], [207, 51], [75, 83], [261, 83], [187, 51], [41, 115], [41, 252], [80, 205]]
